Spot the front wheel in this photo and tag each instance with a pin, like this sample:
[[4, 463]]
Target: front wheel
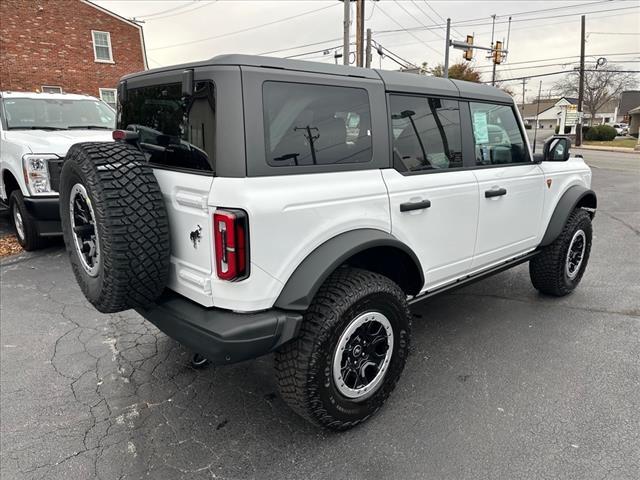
[[24, 223], [558, 269], [351, 351]]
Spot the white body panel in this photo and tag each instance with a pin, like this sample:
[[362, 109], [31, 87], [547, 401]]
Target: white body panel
[[290, 216], [442, 236], [508, 224], [185, 198], [461, 234]]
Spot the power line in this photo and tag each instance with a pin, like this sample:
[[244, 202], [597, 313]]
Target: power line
[[465, 23], [457, 32], [172, 9], [315, 51], [613, 33], [586, 4], [416, 19], [563, 58], [389, 52], [301, 46], [195, 7], [245, 29], [387, 32], [391, 33], [404, 29], [425, 14], [561, 64], [560, 73]]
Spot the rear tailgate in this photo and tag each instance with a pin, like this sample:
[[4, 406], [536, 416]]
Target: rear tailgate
[[185, 197]]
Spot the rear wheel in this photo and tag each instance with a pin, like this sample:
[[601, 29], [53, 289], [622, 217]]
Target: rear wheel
[[558, 269], [115, 225], [351, 351], [24, 223]]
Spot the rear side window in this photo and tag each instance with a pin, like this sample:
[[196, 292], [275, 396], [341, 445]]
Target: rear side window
[[316, 124], [497, 135], [426, 133], [174, 131]]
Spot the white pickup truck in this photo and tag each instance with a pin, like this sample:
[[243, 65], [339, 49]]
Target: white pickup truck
[[36, 130]]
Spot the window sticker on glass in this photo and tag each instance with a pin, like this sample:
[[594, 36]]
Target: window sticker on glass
[[480, 128]]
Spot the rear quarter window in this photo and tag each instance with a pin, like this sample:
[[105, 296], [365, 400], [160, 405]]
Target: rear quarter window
[[174, 132], [316, 124]]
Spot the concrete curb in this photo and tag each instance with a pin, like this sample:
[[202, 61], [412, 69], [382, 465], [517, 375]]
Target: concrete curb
[[607, 149]]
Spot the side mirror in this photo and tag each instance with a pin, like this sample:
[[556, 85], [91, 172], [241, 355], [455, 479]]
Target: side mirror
[[187, 83], [556, 149]]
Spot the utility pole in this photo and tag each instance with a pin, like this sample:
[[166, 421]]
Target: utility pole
[[524, 83], [581, 85], [347, 33], [359, 33], [446, 50], [493, 73], [367, 54], [535, 133]]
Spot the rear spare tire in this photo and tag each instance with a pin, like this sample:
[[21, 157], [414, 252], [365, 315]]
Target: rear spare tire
[[115, 225]]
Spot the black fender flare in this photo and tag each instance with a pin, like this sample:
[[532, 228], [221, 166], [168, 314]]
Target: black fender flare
[[311, 273], [575, 196]]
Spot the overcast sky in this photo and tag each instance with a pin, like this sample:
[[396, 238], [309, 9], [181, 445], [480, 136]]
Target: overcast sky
[[182, 31]]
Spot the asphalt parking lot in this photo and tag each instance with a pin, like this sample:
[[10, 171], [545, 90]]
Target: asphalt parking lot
[[502, 383]]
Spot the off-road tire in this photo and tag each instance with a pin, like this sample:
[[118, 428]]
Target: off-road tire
[[304, 366], [547, 269], [131, 222], [30, 239]]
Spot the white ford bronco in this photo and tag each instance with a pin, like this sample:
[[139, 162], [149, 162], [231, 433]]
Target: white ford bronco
[[256, 205], [36, 130]]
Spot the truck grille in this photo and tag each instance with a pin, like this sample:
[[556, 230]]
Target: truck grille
[[55, 167]]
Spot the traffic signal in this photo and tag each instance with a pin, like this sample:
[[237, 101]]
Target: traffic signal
[[497, 53], [468, 53]]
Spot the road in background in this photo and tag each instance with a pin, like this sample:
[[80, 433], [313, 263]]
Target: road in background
[[502, 383]]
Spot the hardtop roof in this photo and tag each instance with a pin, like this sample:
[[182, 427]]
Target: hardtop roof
[[393, 81]]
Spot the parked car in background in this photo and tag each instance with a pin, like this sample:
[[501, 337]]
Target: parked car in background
[[621, 128], [36, 130]]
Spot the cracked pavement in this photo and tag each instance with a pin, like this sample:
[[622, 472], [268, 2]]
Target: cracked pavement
[[502, 382]]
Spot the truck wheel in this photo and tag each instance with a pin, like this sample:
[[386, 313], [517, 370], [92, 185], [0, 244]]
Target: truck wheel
[[352, 348], [558, 269], [115, 225], [25, 224]]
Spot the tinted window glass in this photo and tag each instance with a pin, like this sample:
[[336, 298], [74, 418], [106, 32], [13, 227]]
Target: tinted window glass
[[174, 131], [497, 135], [426, 133], [316, 124]]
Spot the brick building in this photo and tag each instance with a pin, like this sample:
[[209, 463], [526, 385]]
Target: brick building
[[68, 46]]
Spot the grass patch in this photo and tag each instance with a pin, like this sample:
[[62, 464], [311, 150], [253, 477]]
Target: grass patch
[[623, 142]]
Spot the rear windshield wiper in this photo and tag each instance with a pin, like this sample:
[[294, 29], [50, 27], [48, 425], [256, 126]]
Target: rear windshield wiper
[[88, 127], [36, 127]]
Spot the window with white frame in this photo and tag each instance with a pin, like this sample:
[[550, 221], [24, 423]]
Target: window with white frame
[[102, 46], [109, 96], [51, 89]]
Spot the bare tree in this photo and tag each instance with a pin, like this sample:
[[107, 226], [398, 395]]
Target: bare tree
[[600, 87]]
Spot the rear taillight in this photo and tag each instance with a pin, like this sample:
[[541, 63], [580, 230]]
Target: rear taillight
[[231, 244]]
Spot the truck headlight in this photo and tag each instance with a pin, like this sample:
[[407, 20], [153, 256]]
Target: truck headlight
[[36, 173]]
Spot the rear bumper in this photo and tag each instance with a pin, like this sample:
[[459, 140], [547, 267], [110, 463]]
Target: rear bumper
[[46, 212], [222, 336]]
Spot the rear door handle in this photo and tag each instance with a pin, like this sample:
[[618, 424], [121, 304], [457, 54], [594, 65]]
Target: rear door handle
[[497, 192], [407, 207]]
